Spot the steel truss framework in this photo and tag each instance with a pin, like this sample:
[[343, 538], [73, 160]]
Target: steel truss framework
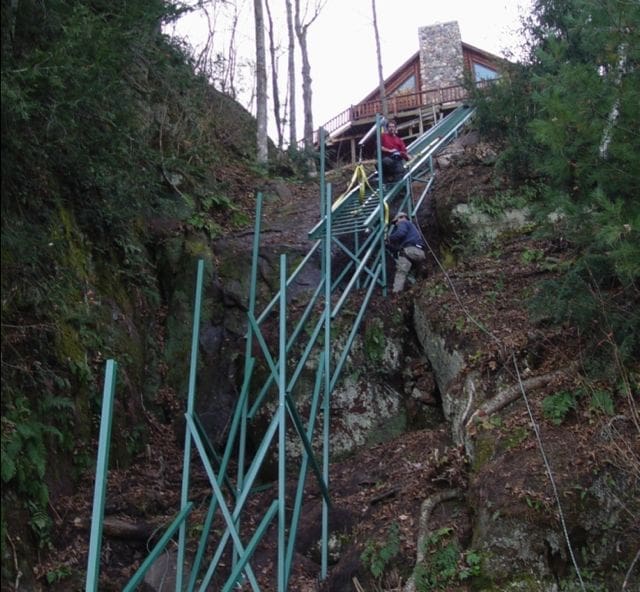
[[355, 224]]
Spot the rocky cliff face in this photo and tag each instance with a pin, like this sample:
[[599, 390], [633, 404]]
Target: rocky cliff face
[[535, 486]]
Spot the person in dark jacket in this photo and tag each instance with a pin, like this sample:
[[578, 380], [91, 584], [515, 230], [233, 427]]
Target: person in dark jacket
[[406, 240]]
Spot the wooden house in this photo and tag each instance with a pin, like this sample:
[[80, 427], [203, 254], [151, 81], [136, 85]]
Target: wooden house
[[422, 90]]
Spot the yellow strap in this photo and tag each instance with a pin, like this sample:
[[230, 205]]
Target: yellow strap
[[362, 180], [358, 178], [386, 220], [351, 185]]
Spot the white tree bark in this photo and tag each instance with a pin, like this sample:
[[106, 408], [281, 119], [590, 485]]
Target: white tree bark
[[615, 110], [261, 85], [273, 51], [291, 71]]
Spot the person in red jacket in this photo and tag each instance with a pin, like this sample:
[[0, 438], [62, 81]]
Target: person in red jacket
[[394, 151]]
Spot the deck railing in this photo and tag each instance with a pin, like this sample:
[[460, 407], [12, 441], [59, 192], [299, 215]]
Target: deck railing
[[397, 104]]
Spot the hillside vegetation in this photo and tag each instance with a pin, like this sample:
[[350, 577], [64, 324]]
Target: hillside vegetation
[[568, 122], [111, 148], [120, 166]]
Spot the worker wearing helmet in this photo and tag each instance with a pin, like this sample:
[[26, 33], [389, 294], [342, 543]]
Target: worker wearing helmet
[[406, 241]]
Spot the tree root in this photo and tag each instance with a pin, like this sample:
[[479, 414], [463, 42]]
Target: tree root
[[510, 394], [426, 509]]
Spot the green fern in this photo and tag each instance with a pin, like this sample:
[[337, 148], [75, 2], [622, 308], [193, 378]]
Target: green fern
[[601, 401], [8, 467], [557, 406], [377, 555], [441, 565]]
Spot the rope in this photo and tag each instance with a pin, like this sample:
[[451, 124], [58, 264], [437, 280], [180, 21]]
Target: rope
[[524, 395], [450, 282]]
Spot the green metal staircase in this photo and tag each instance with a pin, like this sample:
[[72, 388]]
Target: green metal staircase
[[360, 211], [296, 416]]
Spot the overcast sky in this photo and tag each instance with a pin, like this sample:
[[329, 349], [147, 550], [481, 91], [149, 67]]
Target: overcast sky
[[342, 45]]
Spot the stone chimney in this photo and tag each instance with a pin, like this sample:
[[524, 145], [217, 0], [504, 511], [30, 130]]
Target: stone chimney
[[441, 60]]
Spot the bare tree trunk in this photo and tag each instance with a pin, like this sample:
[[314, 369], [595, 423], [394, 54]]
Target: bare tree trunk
[[204, 61], [306, 93], [293, 134], [230, 71], [302, 27], [274, 79], [383, 98], [221, 69], [261, 85]]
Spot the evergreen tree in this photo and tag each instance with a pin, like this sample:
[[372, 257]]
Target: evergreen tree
[[570, 119]]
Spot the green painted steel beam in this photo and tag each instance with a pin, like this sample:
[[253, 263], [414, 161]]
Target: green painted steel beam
[[302, 475], [290, 343], [241, 495], [371, 252], [352, 334], [276, 299], [424, 193], [311, 345], [307, 446], [186, 467], [233, 430], [326, 420], [159, 548], [282, 428], [251, 546], [229, 520], [102, 468]]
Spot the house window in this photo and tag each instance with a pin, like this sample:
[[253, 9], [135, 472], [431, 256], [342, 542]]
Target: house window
[[408, 86], [481, 72]]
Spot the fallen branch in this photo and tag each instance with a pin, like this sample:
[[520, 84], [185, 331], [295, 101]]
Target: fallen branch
[[384, 495], [121, 529], [426, 510], [16, 564]]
